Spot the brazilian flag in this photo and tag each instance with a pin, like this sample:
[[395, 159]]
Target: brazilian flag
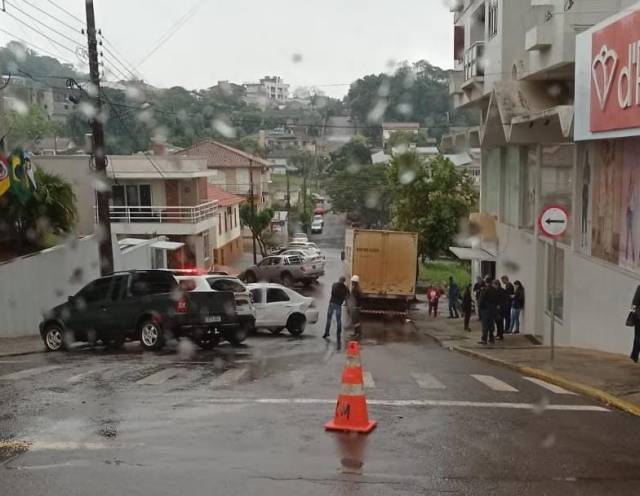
[[20, 185], [4, 175]]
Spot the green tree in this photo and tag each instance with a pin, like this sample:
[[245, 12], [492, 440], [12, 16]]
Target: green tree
[[49, 212], [430, 200], [257, 223], [28, 128], [362, 193], [355, 154]]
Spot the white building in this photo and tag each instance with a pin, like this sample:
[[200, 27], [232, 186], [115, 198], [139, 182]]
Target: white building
[[514, 63], [270, 89]]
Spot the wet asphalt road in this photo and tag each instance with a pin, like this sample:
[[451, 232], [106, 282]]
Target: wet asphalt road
[[249, 420]]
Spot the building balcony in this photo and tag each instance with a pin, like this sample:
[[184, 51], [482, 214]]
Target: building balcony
[[474, 63], [539, 37], [163, 220]]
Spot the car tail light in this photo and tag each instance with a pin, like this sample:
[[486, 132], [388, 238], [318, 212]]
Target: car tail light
[[183, 304]]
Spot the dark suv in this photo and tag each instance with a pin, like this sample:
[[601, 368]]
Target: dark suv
[[145, 305]]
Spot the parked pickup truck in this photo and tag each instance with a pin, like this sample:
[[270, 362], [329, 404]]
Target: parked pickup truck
[[144, 305], [287, 269]]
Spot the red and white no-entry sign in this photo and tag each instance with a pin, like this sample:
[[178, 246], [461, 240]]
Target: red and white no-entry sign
[[553, 221]]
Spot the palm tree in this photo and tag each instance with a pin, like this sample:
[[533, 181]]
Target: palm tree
[[50, 211]]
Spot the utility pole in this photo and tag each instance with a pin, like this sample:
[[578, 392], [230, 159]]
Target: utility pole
[[288, 197], [102, 194], [253, 211]]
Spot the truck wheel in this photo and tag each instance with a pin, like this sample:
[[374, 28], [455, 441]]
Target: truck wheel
[[54, 338], [151, 335], [296, 325], [207, 339], [286, 279], [237, 337]]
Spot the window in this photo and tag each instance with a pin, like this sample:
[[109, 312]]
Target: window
[[237, 216], [558, 294], [226, 285], [491, 191], [149, 283], [493, 18], [511, 193], [131, 195], [226, 225], [95, 292], [528, 190], [207, 246], [256, 295], [276, 294], [219, 224], [293, 260], [118, 284]]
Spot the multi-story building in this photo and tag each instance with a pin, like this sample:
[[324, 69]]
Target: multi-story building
[[158, 196], [233, 170], [390, 128], [55, 100], [514, 64], [270, 89]]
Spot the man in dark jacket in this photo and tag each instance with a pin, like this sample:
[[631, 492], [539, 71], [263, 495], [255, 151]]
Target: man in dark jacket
[[504, 302], [466, 307], [453, 295], [339, 293], [635, 351], [488, 308], [506, 311]]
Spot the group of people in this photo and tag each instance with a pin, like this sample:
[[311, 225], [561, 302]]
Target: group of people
[[499, 304], [340, 295]]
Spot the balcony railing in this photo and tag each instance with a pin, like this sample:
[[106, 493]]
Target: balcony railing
[[474, 61], [164, 214]]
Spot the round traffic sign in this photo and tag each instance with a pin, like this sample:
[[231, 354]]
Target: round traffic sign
[[553, 220]]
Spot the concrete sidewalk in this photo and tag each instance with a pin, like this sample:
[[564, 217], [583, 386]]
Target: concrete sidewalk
[[21, 345], [607, 377]]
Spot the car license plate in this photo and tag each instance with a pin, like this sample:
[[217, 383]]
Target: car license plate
[[212, 318]]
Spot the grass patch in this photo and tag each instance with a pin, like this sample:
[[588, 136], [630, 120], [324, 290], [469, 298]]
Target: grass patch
[[438, 272]]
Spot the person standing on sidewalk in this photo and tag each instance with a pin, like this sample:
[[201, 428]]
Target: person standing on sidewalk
[[488, 308], [355, 304], [503, 302], [477, 289], [339, 293], [508, 287], [453, 294], [635, 307], [466, 307], [516, 308], [433, 298]]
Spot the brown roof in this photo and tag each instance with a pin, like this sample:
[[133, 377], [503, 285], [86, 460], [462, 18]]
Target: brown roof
[[221, 155], [224, 198]]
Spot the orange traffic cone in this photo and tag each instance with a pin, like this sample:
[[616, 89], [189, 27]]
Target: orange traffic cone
[[351, 409]]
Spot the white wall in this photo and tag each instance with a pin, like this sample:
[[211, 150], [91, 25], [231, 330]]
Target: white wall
[[35, 283], [219, 240]]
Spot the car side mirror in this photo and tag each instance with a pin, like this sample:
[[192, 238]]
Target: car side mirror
[[342, 255]]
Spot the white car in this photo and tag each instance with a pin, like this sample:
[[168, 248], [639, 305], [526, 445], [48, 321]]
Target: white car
[[316, 226], [300, 236], [213, 282], [309, 255], [278, 308]]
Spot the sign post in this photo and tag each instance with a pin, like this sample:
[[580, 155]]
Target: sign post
[[553, 221]]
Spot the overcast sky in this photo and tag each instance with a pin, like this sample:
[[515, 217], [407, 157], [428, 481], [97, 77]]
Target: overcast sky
[[308, 43]]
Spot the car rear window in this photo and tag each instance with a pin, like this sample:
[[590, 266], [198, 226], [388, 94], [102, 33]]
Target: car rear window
[[276, 294], [293, 260], [187, 284], [149, 283], [226, 285]]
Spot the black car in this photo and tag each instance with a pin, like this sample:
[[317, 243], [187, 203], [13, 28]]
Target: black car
[[144, 305]]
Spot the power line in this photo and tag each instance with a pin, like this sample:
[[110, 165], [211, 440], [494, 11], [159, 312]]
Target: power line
[[114, 69], [118, 55], [68, 13], [29, 44], [42, 24], [133, 76], [72, 28], [172, 31], [42, 34]]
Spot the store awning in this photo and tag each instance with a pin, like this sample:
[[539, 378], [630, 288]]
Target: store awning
[[472, 254]]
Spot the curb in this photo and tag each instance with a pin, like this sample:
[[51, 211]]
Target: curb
[[577, 387], [21, 353]]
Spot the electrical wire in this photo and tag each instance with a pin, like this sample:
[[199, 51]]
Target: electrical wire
[[67, 12], [72, 28], [41, 23], [124, 66], [171, 32], [35, 47]]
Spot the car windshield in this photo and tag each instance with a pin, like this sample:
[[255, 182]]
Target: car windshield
[[433, 204]]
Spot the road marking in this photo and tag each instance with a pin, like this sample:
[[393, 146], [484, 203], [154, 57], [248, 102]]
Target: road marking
[[74, 379], [409, 403], [230, 377], [368, 380], [427, 381], [493, 383], [23, 374], [159, 377], [551, 387]]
